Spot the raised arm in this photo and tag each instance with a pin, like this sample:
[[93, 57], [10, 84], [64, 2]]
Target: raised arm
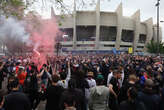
[[40, 74]]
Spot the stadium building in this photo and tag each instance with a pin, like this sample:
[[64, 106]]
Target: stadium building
[[97, 30]]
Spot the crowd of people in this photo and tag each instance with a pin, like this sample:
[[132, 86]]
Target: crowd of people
[[83, 82]]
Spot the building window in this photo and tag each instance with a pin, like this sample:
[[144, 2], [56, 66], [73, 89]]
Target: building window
[[108, 33], [109, 45], [86, 45], [65, 34], [127, 36], [66, 45], [140, 46], [125, 46], [142, 38], [86, 33]]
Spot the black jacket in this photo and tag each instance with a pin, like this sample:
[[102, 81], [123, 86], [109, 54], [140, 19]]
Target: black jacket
[[78, 97], [31, 84], [123, 92], [17, 101], [53, 95], [1, 75], [150, 100], [127, 105]]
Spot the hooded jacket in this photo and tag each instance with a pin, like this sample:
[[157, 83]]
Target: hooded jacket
[[98, 99]]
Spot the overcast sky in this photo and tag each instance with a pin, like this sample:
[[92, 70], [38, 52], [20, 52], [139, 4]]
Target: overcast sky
[[147, 8]]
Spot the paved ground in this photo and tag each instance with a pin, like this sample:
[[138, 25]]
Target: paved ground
[[41, 106]]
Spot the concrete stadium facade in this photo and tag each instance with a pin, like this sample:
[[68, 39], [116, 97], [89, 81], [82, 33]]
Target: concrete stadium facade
[[97, 30]]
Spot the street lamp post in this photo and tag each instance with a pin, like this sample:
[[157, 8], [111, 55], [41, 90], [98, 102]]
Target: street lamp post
[[157, 5], [58, 47]]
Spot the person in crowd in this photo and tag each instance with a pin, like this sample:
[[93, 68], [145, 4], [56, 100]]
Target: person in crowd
[[1, 74], [9, 84], [161, 107], [143, 77], [115, 85], [105, 69], [65, 77], [16, 100], [18, 63], [132, 103], [21, 75], [123, 91], [110, 75], [148, 97], [92, 83], [31, 87], [79, 81], [99, 95], [69, 103], [78, 96], [2, 99], [44, 74], [53, 94], [90, 80]]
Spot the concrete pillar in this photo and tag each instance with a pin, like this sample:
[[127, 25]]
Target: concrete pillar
[[136, 18], [160, 34], [74, 27], [119, 13], [97, 25], [52, 12], [149, 30], [155, 33]]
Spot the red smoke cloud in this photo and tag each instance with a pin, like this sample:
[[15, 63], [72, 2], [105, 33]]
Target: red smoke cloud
[[43, 39]]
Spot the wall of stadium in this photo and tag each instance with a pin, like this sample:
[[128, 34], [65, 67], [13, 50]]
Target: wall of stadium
[[97, 30]]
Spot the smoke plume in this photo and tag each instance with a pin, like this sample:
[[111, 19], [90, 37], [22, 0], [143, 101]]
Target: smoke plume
[[12, 33]]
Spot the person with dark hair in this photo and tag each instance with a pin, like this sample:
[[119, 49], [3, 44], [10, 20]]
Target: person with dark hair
[[65, 77], [2, 93], [44, 74], [1, 74], [10, 80], [82, 83], [161, 107], [105, 69], [115, 89], [148, 96], [53, 94], [77, 94], [31, 87], [16, 100], [69, 103], [123, 91], [132, 103], [21, 75], [99, 95]]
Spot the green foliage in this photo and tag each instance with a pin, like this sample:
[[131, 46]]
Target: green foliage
[[16, 3], [12, 8], [17, 7], [152, 47]]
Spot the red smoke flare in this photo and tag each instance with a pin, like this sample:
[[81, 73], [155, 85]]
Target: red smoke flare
[[43, 39]]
